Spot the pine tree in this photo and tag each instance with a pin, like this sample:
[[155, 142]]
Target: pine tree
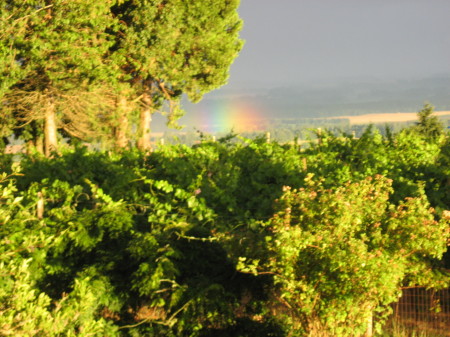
[[10, 69], [429, 125], [167, 48], [56, 49], [85, 68]]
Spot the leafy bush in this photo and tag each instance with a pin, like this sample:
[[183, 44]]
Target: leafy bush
[[341, 255], [205, 240]]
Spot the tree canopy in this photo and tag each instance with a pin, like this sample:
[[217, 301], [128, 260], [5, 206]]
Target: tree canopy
[[187, 49], [82, 67], [429, 125]]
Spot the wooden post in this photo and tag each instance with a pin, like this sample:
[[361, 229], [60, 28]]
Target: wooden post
[[267, 137]]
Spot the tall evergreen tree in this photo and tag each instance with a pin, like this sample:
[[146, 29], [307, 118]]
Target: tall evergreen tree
[[10, 68], [83, 67], [55, 50], [167, 48], [429, 125]]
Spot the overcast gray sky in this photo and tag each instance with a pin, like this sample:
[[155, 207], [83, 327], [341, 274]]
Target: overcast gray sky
[[293, 41]]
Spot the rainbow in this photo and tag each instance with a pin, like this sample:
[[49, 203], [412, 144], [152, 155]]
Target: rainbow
[[217, 116]]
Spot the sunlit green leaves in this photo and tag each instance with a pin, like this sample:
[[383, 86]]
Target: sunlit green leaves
[[338, 249], [222, 237]]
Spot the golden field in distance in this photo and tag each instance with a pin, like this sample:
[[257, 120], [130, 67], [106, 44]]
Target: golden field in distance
[[385, 117]]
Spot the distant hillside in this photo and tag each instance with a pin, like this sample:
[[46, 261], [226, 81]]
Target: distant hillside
[[356, 98], [348, 97]]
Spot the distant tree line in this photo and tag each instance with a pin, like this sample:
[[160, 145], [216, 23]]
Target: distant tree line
[[301, 130]]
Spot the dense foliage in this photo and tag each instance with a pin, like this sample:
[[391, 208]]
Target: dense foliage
[[227, 238], [231, 238], [98, 71]]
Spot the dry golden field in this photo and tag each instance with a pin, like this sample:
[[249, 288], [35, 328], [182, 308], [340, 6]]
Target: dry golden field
[[386, 117]]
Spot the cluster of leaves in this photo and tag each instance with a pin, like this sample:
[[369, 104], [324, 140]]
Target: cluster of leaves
[[242, 238]]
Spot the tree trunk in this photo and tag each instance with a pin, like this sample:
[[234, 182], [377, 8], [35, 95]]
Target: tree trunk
[[40, 205], [369, 331], [121, 130], [50, 136], [144, 125], [37, 144]]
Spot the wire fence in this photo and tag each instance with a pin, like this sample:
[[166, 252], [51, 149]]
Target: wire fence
[[424, 311]]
